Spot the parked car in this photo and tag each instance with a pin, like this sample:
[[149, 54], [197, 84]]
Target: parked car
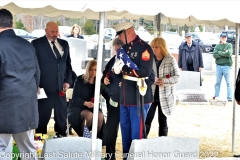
[[38, 32], [206, 40], [231, 38], [109, 34], [24, 34], [173, 40]]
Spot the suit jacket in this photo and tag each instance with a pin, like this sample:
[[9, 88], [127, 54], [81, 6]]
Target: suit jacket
[[19, 79], [53, 72], [167, 93]]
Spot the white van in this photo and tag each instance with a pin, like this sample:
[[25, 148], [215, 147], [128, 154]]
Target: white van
[[109, 34]]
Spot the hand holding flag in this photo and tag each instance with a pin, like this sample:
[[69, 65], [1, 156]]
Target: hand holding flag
[[121, 54]]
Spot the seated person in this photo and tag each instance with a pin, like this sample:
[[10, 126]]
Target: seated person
[[81, 108]]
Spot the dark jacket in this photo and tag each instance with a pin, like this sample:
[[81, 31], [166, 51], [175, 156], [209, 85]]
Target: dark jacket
[[194, 51], [53, 72], [19, 79], [237, 89], [81, 92], [71, 35], [142, 55], [113, 88]]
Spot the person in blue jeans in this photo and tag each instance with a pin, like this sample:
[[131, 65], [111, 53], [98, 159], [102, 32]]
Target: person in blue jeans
[[223, 59]]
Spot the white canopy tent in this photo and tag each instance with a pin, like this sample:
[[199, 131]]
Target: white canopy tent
[[208, 12]]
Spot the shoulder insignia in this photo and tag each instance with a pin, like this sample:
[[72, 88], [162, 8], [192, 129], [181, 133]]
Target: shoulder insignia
[[145, 55]]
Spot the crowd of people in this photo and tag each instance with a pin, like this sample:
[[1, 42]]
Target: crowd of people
[[137, 79]]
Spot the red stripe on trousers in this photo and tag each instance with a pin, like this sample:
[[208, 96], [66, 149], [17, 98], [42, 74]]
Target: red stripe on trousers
[[141, 127]]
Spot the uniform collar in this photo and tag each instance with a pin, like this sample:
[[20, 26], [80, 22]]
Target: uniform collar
[[134, 41]]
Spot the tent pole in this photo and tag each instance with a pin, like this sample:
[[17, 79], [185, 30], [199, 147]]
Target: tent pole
[[97, 85], [157, 25], [235, 77]]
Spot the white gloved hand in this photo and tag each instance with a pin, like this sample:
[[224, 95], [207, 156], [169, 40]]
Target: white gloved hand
[[142, 86], [117, 67]]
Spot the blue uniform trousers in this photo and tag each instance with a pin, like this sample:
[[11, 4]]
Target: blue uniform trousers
[[131, 124]]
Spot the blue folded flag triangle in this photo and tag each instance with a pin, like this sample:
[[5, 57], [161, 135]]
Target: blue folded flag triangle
[[86, 132], [121, 54]]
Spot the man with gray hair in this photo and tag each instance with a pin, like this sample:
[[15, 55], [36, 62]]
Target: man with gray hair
[[190, 56], [19, 79]]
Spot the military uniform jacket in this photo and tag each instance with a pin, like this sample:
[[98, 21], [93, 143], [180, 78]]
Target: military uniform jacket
[[142, 55]]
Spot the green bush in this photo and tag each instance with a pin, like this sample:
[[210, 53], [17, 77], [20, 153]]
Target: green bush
[[89, 28], [20, 25]]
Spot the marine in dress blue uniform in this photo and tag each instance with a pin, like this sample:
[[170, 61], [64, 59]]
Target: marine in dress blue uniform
[[130, 100]]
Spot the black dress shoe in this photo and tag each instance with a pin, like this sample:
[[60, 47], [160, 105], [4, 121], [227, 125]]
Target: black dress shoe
[[70, 132], [236, 155]]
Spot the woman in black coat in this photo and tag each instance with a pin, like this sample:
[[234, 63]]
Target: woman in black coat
[[81, 107], [75, 32]]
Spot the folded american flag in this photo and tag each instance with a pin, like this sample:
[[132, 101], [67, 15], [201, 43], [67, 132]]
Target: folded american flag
[[121, 54], [86, 132]]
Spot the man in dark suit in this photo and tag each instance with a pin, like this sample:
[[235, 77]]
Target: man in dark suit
[[56, 76], [19, 79]]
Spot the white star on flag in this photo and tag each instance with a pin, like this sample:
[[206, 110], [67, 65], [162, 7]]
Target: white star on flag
[[128, 64], [121, 55]]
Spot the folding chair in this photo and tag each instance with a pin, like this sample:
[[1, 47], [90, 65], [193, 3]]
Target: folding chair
[[69, 93]]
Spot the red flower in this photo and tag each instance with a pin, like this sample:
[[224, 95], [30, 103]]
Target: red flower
[[92, 100], [168, 76], [62, 93], [108, 74]]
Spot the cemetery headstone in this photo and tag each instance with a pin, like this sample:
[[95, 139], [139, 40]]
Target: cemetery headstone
[[164, 148], [188, 89], [78, 53], [71, 148]]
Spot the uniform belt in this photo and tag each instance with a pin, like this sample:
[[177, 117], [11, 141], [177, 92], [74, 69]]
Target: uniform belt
[[142, 86]]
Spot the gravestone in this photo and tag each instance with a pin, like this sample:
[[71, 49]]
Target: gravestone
[[78, 53], [105, 53], [189, 80], [164, 148], [94, 53], [188, 89], [207, 61], [8, 151], [70, 148]]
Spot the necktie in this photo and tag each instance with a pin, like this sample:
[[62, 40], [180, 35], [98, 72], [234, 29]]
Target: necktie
[[56, 51]]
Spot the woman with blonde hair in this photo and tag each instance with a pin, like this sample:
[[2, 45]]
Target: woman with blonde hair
[[75, 32], [81, 107], [167, 75]]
